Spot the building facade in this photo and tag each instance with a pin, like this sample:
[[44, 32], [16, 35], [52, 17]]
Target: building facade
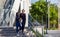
[[8, 9]]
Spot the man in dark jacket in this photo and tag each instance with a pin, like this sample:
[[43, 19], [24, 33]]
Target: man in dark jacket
[[17, 23], [23, 17]]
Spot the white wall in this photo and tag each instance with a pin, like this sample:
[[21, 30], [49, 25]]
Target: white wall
[[25, 5], [2, 2], [13, 12]]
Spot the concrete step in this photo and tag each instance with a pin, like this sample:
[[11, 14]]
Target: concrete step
[[11, 32]]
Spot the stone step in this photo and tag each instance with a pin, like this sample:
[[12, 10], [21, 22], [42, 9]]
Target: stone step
[[11, 32]]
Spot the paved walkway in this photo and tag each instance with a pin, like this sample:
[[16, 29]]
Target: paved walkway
[[53, 33], [10, 32]]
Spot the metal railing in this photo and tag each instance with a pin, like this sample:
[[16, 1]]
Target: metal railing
[[33, 25]]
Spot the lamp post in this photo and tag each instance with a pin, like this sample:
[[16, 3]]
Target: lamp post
[[46, 18]]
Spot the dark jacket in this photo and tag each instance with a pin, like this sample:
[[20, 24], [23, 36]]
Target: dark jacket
[[17, 20], [23, 16]]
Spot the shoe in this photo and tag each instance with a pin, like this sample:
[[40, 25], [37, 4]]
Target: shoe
[[23, 33], [17, 34]]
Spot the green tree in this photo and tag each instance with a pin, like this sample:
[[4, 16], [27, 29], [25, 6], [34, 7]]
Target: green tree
[[39, 8], [53, 15]]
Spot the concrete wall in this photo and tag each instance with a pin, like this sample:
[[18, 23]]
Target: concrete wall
[[13, 12], [24, 5], [2, 2]]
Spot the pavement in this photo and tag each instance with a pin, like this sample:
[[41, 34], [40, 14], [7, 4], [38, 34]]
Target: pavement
[[53, 33]]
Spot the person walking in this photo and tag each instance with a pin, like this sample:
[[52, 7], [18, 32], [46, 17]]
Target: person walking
[[23, 18], [17, 23]]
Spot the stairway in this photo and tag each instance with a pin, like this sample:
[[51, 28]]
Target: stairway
[[11, 32]]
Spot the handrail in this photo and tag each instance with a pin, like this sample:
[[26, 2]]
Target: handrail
[[29, 15], [31, 26]]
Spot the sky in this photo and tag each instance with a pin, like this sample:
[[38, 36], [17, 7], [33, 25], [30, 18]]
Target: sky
[[32, 1], [57, 2], [52, 1]]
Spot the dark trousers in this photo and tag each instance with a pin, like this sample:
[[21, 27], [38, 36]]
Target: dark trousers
[[18, 26], [23, 26]]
